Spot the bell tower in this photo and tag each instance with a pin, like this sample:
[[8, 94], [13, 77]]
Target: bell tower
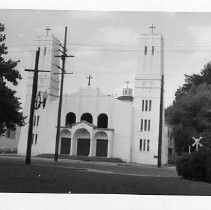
[[147, 96]]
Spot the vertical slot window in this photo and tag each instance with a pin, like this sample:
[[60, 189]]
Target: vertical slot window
[[144, 145], [141, 124], [145, 125], [153, 50], [148, 145], [150, 105], [38, 118], [35, 138], [148, 125], [142, 105], [34, 123], [146, 105], [145, 50], [140, 145]]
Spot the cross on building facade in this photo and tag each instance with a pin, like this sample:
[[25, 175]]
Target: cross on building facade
[[152, 28], [89, 77], [47, 30]]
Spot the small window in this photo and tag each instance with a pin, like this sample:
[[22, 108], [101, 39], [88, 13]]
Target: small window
[[36, 138], [145, 125], [146, 105], [148, 125], [148, 145], [142, 105], [141, 124], [153, 50], [140, 145], [34, 123], [145, 50], [32, 139], [38, 118], [144, 145], [150, 105]]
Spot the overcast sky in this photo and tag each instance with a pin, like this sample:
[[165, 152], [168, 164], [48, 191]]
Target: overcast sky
[[115, 36]]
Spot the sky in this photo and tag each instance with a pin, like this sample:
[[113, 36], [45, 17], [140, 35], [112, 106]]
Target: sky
[[107, 45]]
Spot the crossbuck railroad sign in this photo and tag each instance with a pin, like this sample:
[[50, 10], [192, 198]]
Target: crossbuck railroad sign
[[197, 143]]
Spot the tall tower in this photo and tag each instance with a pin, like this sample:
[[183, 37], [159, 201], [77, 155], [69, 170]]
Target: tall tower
[[47, 82], [147, 96]]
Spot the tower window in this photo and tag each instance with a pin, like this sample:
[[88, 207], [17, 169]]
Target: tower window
[[35, 138], [141, 124], [144, 144], [140, 145], [145, 125], [150, 105], [153, 50], [145, 50], [38, 118], [146, 105], [148, 145], [34, 123], [148, 125], [142, 105]]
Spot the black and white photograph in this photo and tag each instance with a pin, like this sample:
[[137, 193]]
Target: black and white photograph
[[99, 102]]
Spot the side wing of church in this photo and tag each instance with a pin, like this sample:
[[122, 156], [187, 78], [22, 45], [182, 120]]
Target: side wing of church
[[97, 125]]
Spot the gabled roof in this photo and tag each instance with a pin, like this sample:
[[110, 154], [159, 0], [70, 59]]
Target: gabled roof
[[83, 121]]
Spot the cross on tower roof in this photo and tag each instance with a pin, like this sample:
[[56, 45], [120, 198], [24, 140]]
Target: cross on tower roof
[[127, 83], [47, 29], [152, 27], [89, 77]]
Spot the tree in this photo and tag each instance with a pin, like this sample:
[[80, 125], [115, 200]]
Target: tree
[[10, 107], [190, 113]]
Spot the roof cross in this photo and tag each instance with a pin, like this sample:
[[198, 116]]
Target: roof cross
[[152, 27], [127, 83], [47, 30], [89, 77]]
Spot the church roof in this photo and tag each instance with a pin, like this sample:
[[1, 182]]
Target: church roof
[[125, 98]]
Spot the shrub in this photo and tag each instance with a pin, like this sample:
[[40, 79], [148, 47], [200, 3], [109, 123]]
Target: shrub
[[182, 166], [208, 166], [198, 164]]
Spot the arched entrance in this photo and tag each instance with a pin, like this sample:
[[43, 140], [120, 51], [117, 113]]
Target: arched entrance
[[101, 144], [65, 142], [82, 136]]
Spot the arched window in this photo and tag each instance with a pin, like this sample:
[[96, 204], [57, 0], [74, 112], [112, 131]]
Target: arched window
[[87, 117], [70, 119], [102, 121]]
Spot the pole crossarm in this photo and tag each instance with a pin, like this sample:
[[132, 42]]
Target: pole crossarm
[[37, 70], [65, 73]]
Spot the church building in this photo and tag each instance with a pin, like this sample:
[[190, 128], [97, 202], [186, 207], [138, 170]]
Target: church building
[[98, 125]]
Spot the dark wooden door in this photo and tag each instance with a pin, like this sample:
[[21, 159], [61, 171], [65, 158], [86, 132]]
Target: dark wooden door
[[65, 145], [102, 148], [83, 147]]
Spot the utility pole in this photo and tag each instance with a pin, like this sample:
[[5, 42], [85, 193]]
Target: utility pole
[[63, 57], [32, 108], [160, 122]]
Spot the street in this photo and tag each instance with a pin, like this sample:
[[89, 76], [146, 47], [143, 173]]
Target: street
[[73, 176]]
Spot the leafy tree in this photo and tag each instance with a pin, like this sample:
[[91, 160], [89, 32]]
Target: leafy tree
[[10, 107], [190, 113]]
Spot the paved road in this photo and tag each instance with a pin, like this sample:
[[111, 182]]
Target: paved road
[[97, 167]]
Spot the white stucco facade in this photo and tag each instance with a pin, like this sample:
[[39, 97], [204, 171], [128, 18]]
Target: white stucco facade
[[94, 124]]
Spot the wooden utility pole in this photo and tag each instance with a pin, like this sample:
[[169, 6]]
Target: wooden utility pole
[[33, 97], [160, 123], [63, 57]]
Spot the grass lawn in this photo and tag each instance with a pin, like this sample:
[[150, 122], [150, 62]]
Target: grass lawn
[[16, 177]]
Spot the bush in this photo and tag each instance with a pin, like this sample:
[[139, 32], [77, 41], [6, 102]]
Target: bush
[[182, 166], [195, 166], [208, 166], [198, 164]]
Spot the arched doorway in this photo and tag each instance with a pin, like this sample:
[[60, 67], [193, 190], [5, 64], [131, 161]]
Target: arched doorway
[[102, 121], [65, 142], [87, 117], [70, 119], [82, 136], [101, 144]]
